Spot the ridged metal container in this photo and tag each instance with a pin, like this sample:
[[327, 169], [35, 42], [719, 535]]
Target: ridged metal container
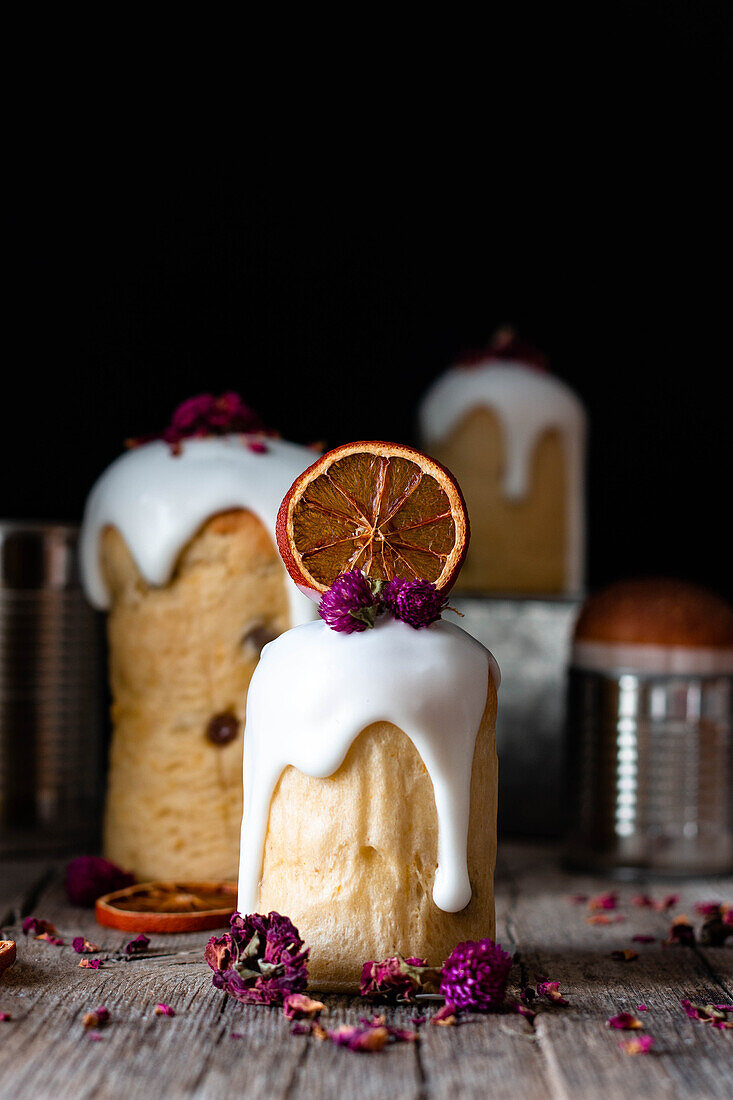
[[51, 705], [650, 767]]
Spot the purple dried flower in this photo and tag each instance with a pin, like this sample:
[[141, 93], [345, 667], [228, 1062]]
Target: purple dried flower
[[82, 946], [206, 415], [351, 603], [138, 946], [397, 978], [261, 961], [37, 926], [88, 877], [475, 976], [417, 603]]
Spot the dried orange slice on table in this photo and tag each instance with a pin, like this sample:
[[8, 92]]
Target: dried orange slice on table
[[168, 906], [380, 507], [7, 954]]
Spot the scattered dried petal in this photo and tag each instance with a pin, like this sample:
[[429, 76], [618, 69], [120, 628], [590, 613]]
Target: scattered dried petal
[[138, 946], [37, 926], [55, 941], [640, 1044], [445, 1016], [297, 1006], [641, 1008], [604, 901], [707, 908], [398, 979], [681, 933], [164, 1010], [550, 990], [82, 946], [5, 1017], [90, 964], [708, 1014], [604, 918], [88, 877], [624, 956], [644, 901], [97, 1019], [624, 1021], [644, 939], [528, 1013], [579, 899]]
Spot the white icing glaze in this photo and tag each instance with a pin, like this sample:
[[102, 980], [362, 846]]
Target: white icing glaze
[[316, 689], [158, 501], [528, 403], [660, 659]]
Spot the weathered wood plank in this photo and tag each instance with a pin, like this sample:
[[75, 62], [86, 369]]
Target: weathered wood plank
[[583, 1059], [214, 1047], [19, 881]]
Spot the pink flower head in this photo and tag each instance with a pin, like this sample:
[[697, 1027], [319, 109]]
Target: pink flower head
[[395, 978], [261, 961], [417, 603], [88, 877], [352, 603], [475, 976]]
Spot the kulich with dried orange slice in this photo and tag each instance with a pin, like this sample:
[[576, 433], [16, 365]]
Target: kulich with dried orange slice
[[382, 508], [370, 776]]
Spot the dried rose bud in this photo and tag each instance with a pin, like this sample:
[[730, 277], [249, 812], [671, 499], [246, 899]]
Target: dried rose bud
[[88, 877], [261, 961], [138, 946], [37, 926], [82, 946]]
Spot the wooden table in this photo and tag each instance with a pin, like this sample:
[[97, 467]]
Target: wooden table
[[215, 1047]]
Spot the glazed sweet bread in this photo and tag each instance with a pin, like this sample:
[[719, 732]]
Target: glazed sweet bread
[[514, 436], [177, 546], [375, 837]]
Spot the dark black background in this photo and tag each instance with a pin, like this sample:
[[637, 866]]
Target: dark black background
[[329, 263]]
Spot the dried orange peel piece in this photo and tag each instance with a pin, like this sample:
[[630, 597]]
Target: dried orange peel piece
[[383, 508], [168, 906], [7, 954]]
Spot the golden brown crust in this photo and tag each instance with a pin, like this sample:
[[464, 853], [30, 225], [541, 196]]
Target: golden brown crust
[[657, 612], [516, 545], [351, 859], [179, 655]]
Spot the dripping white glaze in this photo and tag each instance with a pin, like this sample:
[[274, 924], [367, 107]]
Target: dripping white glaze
[[528, 403], [316, 689], [158, 501]]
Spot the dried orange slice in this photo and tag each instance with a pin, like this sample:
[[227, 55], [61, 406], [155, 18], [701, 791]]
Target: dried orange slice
[[7, 954], [168, 906], [380, 507]]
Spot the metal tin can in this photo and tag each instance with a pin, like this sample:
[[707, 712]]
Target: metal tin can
[[51, 701], [650, 767]]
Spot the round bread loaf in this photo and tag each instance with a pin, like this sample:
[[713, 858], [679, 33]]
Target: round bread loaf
[[658, 611]]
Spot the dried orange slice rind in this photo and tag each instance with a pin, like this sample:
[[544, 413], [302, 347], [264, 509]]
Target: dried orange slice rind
[[384, 508], [168, 906], [7, 954]]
